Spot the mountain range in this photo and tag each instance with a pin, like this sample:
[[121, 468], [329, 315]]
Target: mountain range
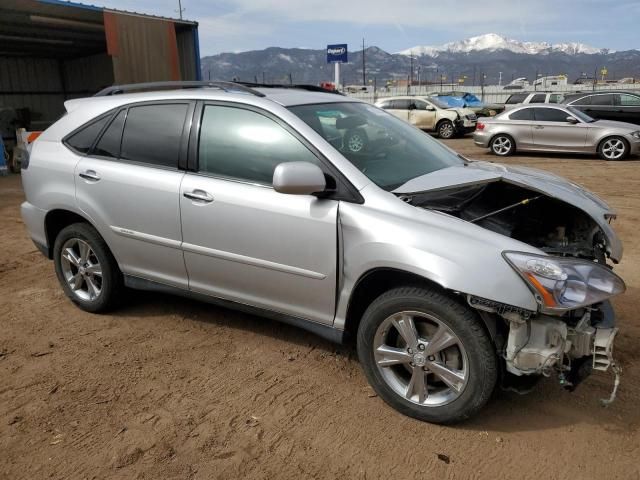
[[493, 42], [471, 59]]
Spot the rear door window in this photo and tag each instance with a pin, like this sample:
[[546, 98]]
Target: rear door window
[[550, 115], [602, 100], [83, 139], [538, 98], [555, 98], [400, 104], [153, 133]]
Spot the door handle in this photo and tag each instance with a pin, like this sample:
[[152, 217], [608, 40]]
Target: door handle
[[90, 175], [199, 196], [538, 127]]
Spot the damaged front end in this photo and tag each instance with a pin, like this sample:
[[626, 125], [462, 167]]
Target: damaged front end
[[573, 330]]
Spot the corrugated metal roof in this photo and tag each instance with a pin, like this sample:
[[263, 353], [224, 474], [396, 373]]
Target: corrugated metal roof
[[86, 6]]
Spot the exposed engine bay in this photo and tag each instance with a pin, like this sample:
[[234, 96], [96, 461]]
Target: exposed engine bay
[[571, 344], [551, 225]]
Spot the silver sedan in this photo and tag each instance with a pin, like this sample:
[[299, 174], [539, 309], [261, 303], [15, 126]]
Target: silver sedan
[[556, 128]]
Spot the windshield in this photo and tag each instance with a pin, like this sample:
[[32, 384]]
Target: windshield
[[389, 151], [583, 117]]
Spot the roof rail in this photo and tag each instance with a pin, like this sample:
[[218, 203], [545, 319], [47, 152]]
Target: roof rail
[[152, 86], [299, 86]]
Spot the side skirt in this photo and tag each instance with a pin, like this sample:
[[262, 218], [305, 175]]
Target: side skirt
[[325, 331]]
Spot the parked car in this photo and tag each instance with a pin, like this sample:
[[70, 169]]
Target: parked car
[[431, 115], [468, 100], [534, 97], [451, 275], [556, 128], [613, 105]]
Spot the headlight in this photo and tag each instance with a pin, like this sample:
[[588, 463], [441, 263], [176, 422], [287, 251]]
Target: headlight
[[562, 283], [636, 134]]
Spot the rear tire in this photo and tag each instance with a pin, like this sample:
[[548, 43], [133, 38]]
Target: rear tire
[[503, 145], [613, 148], [86, 268], [446, 374]]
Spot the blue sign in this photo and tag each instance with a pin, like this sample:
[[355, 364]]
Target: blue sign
[[337, 53]]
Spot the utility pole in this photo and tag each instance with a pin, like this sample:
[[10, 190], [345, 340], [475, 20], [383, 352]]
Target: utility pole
[[180, 9], [263, 82], [364, 75], [411, 72], [290, 79]]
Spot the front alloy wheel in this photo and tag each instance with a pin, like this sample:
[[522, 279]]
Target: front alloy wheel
[[421, 358], [427, 354], [613, 148]]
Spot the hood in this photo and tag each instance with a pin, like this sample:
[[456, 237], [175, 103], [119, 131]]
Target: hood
[[554, 186], [463, 111], [613, 124]]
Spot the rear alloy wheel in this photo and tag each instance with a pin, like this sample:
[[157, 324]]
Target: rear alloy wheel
[[86, 269], [446, 129], [613, 148], [427, 355], [503, 145]]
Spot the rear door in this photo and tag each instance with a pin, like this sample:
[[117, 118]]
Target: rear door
[[552, 131], [399, 108], [245, 242], [600, 106], [129, 184]]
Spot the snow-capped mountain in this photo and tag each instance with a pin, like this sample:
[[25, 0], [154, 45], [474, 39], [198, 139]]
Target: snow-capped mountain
[[493, 42]]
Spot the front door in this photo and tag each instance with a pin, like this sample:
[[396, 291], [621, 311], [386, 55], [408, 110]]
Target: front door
[[129, 186], [422, 115], [552, 131], [242, 240]]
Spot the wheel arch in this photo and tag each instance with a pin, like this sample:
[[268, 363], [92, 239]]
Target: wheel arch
[[57, 219], [373, 283], [612, 135]]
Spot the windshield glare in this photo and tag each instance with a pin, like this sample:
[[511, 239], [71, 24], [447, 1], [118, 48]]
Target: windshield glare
[[389, 151]]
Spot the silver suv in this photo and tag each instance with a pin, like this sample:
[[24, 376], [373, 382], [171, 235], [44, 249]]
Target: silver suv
[[453, 276]]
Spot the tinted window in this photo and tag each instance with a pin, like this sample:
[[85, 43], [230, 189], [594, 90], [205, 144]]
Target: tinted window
[[629, 100], [419, 105], [246, 145], [83, 140], [550, 115], [516, 98], [109, 143], [602, 100], [538, 98], [524, 114], [152, 134], [400, 104]]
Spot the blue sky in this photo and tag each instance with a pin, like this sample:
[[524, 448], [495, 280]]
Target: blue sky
[[393, 25]]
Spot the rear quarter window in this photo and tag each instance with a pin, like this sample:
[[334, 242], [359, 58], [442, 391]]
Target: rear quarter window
[[82, 140]]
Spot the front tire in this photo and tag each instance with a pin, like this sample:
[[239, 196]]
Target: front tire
[[446, 129], [613, 148], [427, 355], [503, 145], [86, 269]]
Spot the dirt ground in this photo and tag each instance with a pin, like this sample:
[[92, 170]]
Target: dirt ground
[[171, 388]]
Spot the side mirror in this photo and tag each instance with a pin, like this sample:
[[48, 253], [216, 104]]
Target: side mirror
[[572, 120], [298, 178], [430, 108]]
